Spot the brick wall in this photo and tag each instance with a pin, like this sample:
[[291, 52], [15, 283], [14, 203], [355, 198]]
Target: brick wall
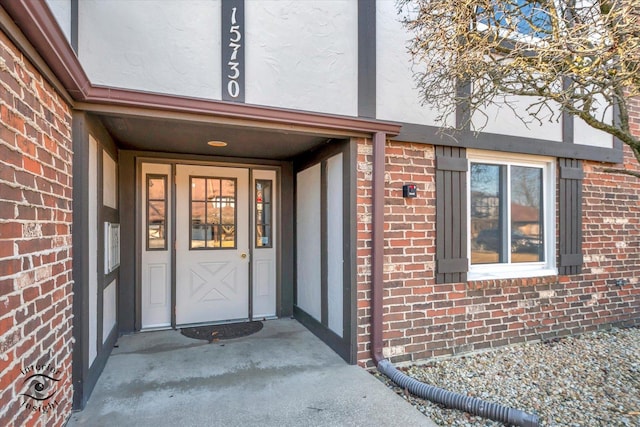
[[364, 214], [423, 319], [634, 115], [35, 244]]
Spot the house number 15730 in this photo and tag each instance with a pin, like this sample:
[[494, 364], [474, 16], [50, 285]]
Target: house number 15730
[[235, 38]]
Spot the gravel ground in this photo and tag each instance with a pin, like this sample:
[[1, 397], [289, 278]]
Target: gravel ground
[[588, 380]]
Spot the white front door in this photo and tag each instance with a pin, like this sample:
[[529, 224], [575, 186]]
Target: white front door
[[212, 244]]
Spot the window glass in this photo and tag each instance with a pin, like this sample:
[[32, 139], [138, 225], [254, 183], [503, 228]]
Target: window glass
[[156, 187], [197, 189], [486, 207], [518, 17], [506, 214], [227, 203], [213, 213], [156, 212], [263, 212], [527, 243]]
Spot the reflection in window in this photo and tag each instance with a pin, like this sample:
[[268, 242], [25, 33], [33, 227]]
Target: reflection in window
[[486, 203], [263, 211], [526, 214], [517, 18], [156, 212], [506, 214], [213, 213]]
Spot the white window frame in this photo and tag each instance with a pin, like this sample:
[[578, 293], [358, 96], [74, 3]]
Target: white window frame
[[520, 269]]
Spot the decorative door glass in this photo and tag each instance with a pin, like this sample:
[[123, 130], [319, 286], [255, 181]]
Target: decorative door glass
[[263, 212], [156, 212], [213, 213]]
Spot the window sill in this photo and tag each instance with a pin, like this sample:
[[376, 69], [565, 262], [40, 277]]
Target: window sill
[[510, 274]]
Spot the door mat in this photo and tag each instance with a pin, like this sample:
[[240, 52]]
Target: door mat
[[213, 333]]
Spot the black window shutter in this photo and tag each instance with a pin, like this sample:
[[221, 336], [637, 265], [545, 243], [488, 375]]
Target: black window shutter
[[452, 263], [570, 207]]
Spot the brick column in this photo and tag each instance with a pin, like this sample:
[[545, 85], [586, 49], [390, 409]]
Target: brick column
[[35, 246]]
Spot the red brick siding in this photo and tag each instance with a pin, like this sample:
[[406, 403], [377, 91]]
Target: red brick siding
[[35, 242], [423, 320], [634, 116], [364, 235]]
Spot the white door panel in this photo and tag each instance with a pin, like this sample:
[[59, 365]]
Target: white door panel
[[265, 244], [156, 248]]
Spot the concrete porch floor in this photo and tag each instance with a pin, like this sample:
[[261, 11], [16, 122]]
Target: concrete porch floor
[[280, 376]]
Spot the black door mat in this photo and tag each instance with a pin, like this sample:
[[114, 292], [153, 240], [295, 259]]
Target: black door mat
[[227, 331]]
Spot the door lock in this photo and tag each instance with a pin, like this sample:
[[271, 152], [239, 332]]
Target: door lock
[[243, 255]]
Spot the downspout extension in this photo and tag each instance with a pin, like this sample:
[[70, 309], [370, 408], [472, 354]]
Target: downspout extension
[[453, 400], [447, 398]]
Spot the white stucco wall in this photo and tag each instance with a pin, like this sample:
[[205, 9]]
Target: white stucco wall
[[62, 12], [397, 96], [153, 45], [302, 55], [504, 119], [586, 135]]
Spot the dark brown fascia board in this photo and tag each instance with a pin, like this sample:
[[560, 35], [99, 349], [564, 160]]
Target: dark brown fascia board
[[11, 30], [128, 98], [37, 22]]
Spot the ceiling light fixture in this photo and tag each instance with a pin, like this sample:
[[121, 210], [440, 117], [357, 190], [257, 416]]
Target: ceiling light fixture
[[217, 143]]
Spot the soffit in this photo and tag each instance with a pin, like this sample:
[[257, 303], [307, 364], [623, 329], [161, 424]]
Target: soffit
[[190, 137]]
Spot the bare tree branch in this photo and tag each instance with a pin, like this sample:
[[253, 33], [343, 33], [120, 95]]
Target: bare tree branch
[[581, 57]]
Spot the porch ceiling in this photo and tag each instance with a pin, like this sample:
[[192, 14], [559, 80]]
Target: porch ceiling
[[191, 137]]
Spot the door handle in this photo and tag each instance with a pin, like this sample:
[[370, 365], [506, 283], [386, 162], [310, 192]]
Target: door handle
[[243, 255]]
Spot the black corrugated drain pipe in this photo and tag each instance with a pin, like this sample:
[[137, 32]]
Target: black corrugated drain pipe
[[453, 400], [449, 399]]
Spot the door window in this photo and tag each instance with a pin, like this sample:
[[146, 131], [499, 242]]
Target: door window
[[263, 212], [213, 213], [156, 212]]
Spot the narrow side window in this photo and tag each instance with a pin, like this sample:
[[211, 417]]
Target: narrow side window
[[156, 212], [263, 213]]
